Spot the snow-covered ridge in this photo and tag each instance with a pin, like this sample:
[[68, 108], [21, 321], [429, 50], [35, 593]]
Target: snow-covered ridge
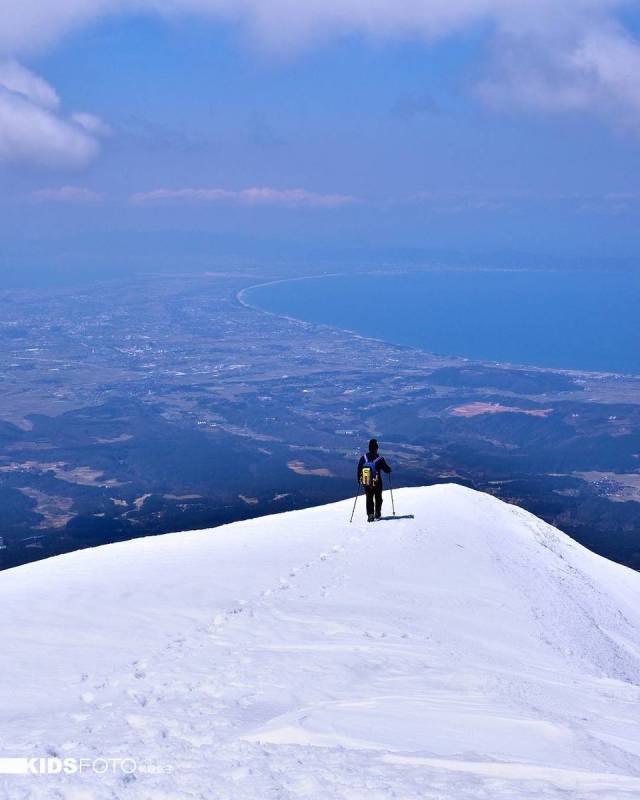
[[469, 651]]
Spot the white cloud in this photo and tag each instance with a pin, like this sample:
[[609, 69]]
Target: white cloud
[[67, 194], [32, 128], [15, 78], [550, 55], [286, 24], [504, 201], [91, 123], [254, 196], [599, 70]]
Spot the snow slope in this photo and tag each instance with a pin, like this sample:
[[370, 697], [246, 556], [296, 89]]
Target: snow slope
[[470, 652]]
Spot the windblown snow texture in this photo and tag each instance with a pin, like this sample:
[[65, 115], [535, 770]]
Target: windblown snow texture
[[470, 652]]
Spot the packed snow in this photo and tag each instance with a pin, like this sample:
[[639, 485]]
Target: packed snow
[[463, 649]]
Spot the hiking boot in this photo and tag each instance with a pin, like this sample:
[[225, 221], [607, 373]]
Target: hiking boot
[[378, 515], [370, 518]]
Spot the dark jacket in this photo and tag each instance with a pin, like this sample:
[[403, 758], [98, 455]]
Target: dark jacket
[[381, 465]]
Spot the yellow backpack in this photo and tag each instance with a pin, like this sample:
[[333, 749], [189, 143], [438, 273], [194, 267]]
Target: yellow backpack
[[369, 475]]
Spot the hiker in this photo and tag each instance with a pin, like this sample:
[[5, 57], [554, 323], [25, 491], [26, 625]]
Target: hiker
[[369, 468]]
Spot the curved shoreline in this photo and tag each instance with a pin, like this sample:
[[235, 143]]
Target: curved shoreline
[[244, 302], [240, 297]]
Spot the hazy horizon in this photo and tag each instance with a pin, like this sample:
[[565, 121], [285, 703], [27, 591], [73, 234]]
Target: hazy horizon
[[316, 129]]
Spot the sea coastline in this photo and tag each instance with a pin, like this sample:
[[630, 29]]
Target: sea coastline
[[454, 358]]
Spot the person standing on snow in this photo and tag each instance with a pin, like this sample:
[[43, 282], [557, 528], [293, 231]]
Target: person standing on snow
[[370, 467]]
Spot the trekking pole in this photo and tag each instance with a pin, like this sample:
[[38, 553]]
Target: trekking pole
[[354, 504], [391, 490]]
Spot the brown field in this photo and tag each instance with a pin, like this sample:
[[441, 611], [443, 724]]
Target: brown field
[[475, 409]]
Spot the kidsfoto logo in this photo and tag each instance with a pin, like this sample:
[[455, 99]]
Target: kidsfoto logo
[[71, 766]]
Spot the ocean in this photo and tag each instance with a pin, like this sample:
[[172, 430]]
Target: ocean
[[562, 319]]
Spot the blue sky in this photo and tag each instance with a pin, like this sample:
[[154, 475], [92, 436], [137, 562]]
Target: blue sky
[[474, 127]]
